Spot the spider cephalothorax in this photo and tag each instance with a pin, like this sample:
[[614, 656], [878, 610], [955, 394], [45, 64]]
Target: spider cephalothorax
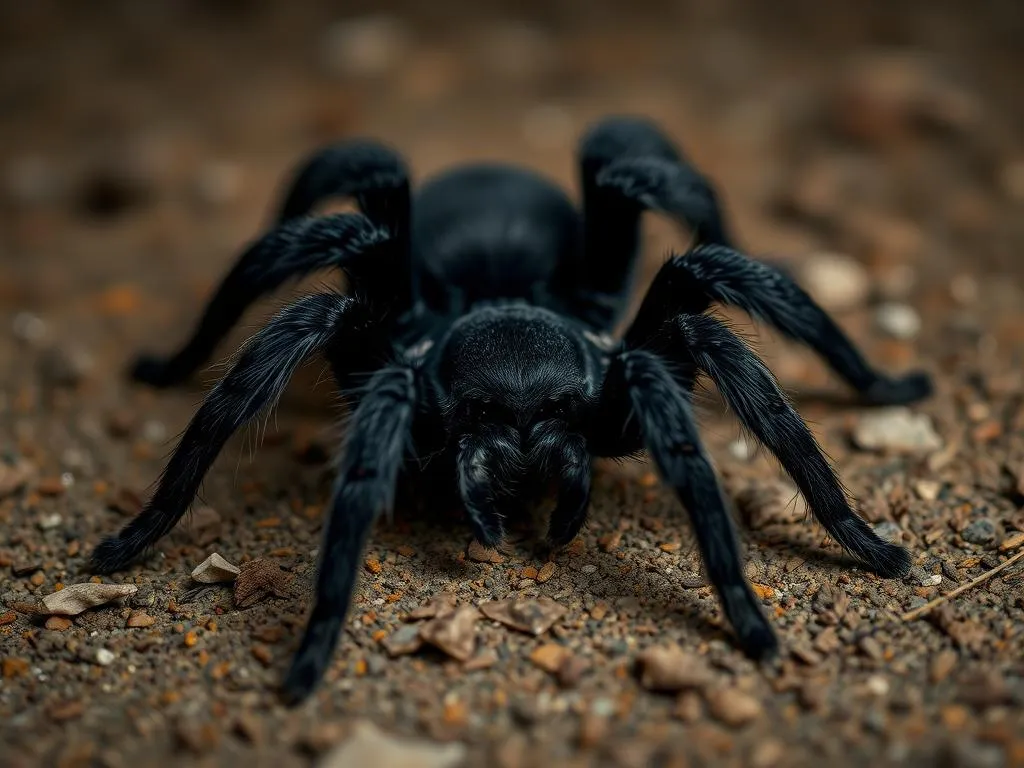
[[483, 308]]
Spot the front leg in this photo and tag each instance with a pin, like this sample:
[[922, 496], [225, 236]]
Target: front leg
[[254, 384], [380, 431]]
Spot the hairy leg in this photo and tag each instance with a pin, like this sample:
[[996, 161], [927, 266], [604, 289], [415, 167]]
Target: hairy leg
[[378, 436], [710, 273], [664, 412], [375, 175], [752, 392], [263, 369], [296, 248], [628, 166]]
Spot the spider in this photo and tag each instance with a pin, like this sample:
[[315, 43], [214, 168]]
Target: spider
[[478, 332]]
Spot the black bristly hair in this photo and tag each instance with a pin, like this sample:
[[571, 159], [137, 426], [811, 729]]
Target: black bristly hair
[[483, 308]]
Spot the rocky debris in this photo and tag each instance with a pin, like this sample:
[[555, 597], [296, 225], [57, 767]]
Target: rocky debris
[[403, 641], [982, 532], [532, 616], [439, 605], [732, 706], [550, 656], [139, 620], [896, 430], [76, 598], [259, 579], [14, 476], [670, 668], [763, 503], [898, 320], [50, 521], [214, 570], [454, 633], [367, 746], [104, 657], [838, 283], [1012, 542]]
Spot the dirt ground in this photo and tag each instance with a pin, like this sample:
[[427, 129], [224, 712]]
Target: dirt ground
[[874, 149]]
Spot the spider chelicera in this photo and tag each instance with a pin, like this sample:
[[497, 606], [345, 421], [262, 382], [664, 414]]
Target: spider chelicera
[[483, 307]]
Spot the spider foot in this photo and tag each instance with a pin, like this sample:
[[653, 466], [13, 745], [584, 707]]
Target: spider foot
[[112, 554], [901, 390], [758, 642], [310, 662], [154, 371], [890, 561]]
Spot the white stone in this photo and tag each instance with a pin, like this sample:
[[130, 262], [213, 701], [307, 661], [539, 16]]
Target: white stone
[[897, 430], [898, 320], [835, 281]]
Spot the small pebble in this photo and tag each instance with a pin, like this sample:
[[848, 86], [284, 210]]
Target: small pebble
[[898, 320], [532, 616], [733, 707], [28, 328], [981, 532], [836, 282], [76, 598], [897, 430], [104, 657], [215, 569], [742, 449], [670, 668], [49, 522], [58, 623], [927, 490]]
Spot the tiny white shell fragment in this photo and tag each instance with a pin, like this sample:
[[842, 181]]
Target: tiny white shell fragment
[[215, 569]]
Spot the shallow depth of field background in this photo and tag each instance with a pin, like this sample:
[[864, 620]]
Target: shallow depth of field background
[[874, 149]]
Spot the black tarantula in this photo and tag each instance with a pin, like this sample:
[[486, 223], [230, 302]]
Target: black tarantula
[[483, 306]]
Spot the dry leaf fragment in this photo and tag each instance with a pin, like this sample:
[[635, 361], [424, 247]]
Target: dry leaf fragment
[[76, 598], [258, 579], [533, 616], [453, 633]]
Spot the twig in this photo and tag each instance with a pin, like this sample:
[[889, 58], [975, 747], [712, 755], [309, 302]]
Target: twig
[[927, 607]]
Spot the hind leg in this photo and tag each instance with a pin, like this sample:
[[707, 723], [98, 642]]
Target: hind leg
[[378, 180], [619, 158]]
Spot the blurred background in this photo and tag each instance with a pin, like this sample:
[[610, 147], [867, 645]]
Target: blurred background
[[874, 148]]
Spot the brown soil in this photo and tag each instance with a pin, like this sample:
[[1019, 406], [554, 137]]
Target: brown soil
[[143, 143]]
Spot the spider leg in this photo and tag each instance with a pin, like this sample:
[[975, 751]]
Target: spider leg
[[264, 366], [716, 273], [380, 430], [628, 166], [296, 248], [375, 175], [753, 393], [663, 409]]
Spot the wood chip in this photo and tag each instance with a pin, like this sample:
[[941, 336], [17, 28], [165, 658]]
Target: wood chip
[[532, 616], [214, 570], [76, 598]]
